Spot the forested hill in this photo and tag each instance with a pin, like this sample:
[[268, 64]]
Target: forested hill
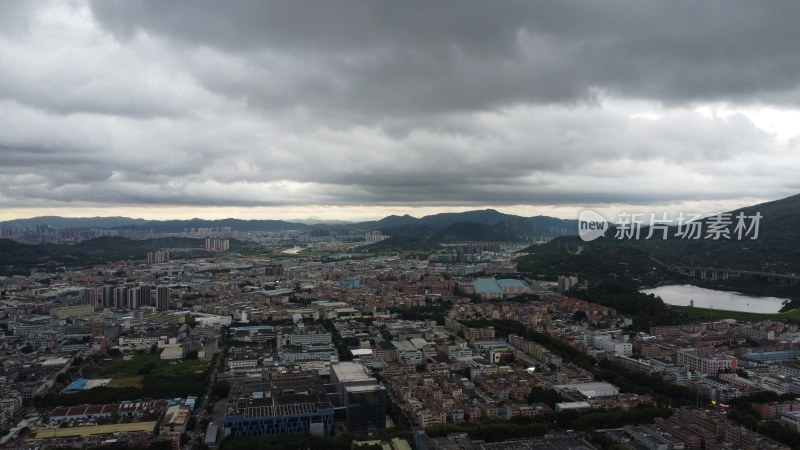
[[17, 258]]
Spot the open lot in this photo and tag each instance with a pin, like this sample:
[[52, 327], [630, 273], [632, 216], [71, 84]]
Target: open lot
[[140, 376], [125, 382], [148, 364]]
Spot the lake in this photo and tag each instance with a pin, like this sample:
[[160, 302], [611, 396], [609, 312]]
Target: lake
[[682, 294]]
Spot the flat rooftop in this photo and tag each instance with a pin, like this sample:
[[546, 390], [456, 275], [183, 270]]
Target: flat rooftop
[[510, 282], [350, 371], [298, 395], [364, 388], [487, 285]]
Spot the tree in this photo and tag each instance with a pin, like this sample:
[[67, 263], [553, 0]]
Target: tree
[[221, 388], [147, 368], [579, 316], [507, 358], [549, 396], [62, 378]]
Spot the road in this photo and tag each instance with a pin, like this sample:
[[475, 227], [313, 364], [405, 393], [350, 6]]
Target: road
[[200, 407], [526, 359]]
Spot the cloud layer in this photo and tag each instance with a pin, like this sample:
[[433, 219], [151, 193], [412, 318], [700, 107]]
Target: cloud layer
[[253, 103]]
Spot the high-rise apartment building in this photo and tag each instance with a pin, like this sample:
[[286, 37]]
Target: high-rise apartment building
[[162, 298]]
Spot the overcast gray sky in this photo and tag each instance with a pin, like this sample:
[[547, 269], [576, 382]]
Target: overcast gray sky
[[355, 109]]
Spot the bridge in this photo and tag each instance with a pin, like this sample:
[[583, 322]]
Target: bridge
[[537, 239], [714, 273]]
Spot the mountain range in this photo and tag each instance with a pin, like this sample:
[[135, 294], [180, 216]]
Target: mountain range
[[646, 261], [504, 224], [776, 248]]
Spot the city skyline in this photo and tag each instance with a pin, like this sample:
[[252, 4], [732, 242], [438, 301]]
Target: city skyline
[[420, 225], [362, 110]]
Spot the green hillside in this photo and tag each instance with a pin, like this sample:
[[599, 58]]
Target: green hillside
[[647, 262], [17, 258], [471, 231]]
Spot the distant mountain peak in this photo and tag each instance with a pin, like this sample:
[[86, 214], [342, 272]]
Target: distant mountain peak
[[393, 224]]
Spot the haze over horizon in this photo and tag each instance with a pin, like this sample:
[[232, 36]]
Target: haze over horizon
[[363, 214], [359, 110]]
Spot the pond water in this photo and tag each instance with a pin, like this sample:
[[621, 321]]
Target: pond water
[[682, 294]]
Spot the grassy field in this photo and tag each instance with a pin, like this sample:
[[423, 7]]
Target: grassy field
[[717, 314], [125, 382], [138, 377], [137, 427], [148, 364]]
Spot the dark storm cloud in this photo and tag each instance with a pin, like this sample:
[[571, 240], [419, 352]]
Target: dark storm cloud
[[381, 57], [378, 103]]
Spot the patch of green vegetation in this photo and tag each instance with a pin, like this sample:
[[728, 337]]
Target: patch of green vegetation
[[399, 418], [664, 392], [554, 344], [548, 396], [593, 262], [159, 379], [702, 314], [522, 427], [646, 262], [150, 364], [604, 442], [341, 347], [647, 310], [744, 415], [436, 311], [471, 231], [123, 382], [405, 244], [20, 258]]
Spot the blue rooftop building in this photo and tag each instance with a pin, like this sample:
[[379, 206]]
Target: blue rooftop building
[[507, 287], [76, 385], [487, 288], [350, 283]]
